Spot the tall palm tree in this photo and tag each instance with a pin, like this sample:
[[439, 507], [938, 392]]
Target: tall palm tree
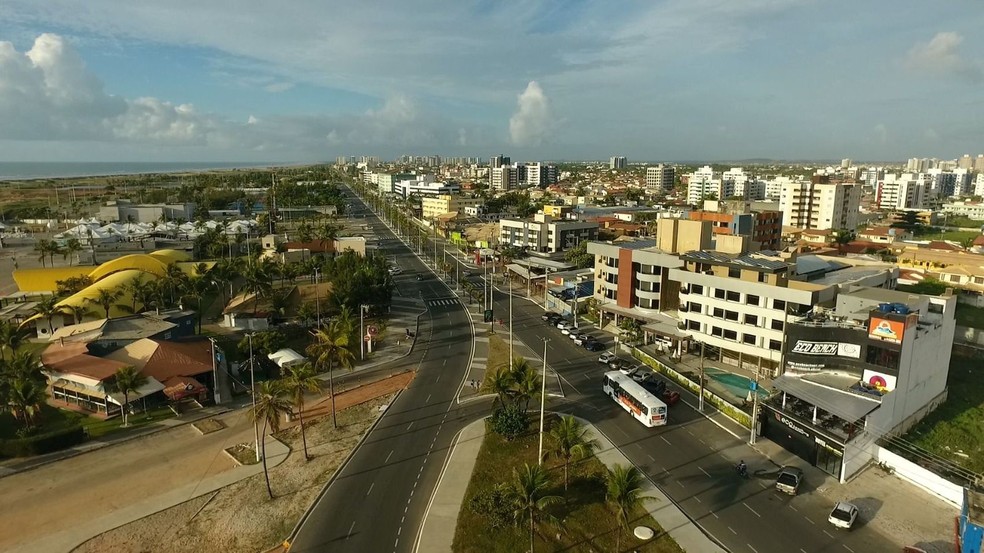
[[301, 379], [501, 384], [25, 396], [258, 281], [272, 403], [571, 442], [527, 496], [78, 312], [526, 382], [331, 346], [47, 308], [72, 247], [41, 247], [126, 381], [623, 494], [11, 337], [138, 289], [105, 298]]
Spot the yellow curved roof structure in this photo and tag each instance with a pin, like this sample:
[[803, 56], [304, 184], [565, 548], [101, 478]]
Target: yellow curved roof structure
[[114, 281], [45, 280], [138, 261], [171, 256]]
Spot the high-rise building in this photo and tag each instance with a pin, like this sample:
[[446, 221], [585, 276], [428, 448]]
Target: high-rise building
[[900, 191], [504, 177], [817, 205], [762, 228], [845, 163], [704, 183], [979, 185], [660, 178], [617, 162], [499, 161], [979, 163], [545, 234], [965, 162]]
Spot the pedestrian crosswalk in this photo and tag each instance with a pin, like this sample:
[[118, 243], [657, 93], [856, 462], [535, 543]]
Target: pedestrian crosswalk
[[442, 301]]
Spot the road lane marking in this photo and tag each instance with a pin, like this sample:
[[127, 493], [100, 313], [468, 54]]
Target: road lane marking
[[665, 440], [350, 530], [445, 363], [438, 379], [698, 499], [732, 530], [388, 457], [704, 471], [793, 508], [848, 548], [752, 510], [411, 425], [428, 399], [829, 535], [715, 515], [752, 548], [370, 489], [810, 521], [651, 458]]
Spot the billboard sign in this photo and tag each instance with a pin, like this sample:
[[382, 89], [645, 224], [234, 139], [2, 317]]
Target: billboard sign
[[840, 349], [880, 381], [884, 329]]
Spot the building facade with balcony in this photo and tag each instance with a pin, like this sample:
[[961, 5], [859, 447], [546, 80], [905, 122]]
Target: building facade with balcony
[[432, 206], [544, 234], [871, 366], [820, 205]]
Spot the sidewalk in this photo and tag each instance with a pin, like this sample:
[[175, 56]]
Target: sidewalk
[[17, 465], [441, 518]]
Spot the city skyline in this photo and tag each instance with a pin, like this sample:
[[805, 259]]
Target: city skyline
[[673, 80]]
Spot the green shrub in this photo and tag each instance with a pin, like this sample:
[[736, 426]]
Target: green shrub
[[509, 422], [42, 443], [492, 505]]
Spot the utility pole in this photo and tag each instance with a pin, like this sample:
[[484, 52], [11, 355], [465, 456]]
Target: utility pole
[[543, 400], [252, 393], [362, 333], [700, 402], [215, 373], [510, 322], [754, 421], [317, 291], [574, 308]]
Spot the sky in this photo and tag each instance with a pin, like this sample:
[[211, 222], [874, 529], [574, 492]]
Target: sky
[[653, 80]]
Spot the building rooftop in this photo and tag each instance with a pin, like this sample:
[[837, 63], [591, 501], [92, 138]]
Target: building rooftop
[[748, 260], [883, 295], [123, 328]]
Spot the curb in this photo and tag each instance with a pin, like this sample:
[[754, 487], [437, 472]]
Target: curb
[[348, 458]]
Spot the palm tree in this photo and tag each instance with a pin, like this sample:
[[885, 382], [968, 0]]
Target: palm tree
[[842, 238], [138, 290], [78, 312], [623, 494], [259, 282], [526, 382], [501, 384], [332, 345], [571, 442], [105, 298], [42, 246], [25, 396], [271, 404], [301, 379], [72, 247], [11, 337], [126, 381], [47, 308], [527, 495]]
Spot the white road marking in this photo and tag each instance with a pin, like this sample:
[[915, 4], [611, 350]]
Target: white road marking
[[411, 425], [752, 548], [428, 398], [388, 457], [665, 440], [829, 535], [370, 489], [698, 499], [793, 508], [445, 363], [732, 530], [715, 515], [848, 548], [651, 458], [750, 509], [438, 379], [350, 530], [704, 471], [810, 521]]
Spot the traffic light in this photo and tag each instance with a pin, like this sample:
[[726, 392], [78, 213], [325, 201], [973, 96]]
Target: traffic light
[[488, 316]]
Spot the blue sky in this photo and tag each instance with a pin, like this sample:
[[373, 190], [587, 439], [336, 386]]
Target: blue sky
[[652, 80]]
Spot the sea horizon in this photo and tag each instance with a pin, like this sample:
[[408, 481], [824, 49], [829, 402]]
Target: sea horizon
[[38, 170]]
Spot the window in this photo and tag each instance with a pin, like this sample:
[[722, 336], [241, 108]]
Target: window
[[978, 280], [715, 331], [954, 278], [731, 335], [719, 293], [779, 304], [695, 307], [734, 296], [693, 325], [777, 324], [699, 289], [775, 345], [748, 339], [718, 312], [734, 273], [761, 277], [731, 315], [751, 300], [751, 320]]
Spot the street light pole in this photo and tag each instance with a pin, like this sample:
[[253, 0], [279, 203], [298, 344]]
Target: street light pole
[[317, 291], [252, 393], [362, 333], [543, 400], [700, 402], [510, 320], [215, 373]]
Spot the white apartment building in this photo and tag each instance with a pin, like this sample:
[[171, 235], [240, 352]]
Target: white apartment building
[[544, 234], [900, 191], [979, 184], [660, 178], [424, 185], [432, 206], [617, 162], [503, 178], [969, 210], [739, 179], [820, 206], [773, 186], [704, 182], [739, 305]]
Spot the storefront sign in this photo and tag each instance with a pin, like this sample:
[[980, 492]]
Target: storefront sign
[[884, 329], [841, 349], [792, 425]]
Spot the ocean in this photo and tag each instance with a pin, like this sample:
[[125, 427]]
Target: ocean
[[27, 170]]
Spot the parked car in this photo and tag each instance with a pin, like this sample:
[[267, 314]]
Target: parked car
[[628, 370], [564, 325], [655, 386], [566, 331], [789, 480], [395, 270], [580, 339], [594, 345], [466, 273], [547, 316], [553, 319], [607, 357], [843, 515], [642, 376], [617, 364]]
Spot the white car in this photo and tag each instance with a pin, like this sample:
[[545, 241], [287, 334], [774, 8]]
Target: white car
[[563, 325], [395, 270], [606, 357], [843, 515], [566, 331]]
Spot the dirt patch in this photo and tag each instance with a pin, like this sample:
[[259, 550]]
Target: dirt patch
[[241, 517], [208, 426], [243, 454]]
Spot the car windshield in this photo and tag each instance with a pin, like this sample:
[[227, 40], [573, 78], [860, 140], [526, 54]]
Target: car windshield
[[842, 513], [787, 479]]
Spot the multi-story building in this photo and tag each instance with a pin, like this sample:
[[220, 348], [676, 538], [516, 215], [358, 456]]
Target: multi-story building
[[385, 181], [704, 183], [979, 184], [660, 178], [739, 304], [432, 206], [124, 211], [763, 228], [818, 205], [900, 191], [965, 162], [503, 178], [499, 161], [544, 234], [870, 366], [970, 210], [424, 185], [617, 162]]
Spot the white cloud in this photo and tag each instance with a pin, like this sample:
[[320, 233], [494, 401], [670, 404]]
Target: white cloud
[[941, 56], [532, 121], [278, 87]]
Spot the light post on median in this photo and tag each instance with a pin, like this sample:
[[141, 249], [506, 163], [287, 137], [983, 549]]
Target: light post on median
[[317, 292], [700, 401], [362, 334], [509, 277], [252, 393], [543, 400], [215, 373]]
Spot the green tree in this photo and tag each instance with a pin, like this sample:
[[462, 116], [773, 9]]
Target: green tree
[[106, 298], [331, 346], [78, 312], [631, 329], [571, 442], [271, 405], [72, 247], [126, 381], [579, 256], [843, 238], [526, 382], [47, 308], [301, 379], [25, 396], [501, 384], [623, 494], [528, 497], [11, 337], [929, 286]]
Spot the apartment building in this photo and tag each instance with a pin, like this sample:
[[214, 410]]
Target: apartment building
[[739, 304], [617, 162], [763, 228], [424, 185], [503, 178], [871, 365], [971, 210], [499, 161], [660, 178], [432, 206], [900, 191], [820, 205], [704, 183], [545, 234]]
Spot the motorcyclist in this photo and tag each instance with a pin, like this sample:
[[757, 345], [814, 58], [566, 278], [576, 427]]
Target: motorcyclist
[[742, 468]]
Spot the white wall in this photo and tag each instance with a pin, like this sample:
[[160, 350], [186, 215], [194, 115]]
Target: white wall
[[914, 474]]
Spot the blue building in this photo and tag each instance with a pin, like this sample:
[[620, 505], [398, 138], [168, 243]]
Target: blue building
[[971, 522]]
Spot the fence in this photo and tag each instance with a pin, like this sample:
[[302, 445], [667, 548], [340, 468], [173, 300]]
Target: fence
[[925, 479]]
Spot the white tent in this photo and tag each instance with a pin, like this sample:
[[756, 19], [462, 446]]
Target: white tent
[[286, 358]]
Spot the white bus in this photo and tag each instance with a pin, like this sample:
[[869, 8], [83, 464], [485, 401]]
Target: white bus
[[644, 406]]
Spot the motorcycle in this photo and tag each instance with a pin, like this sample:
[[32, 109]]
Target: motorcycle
[[742, 470]]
